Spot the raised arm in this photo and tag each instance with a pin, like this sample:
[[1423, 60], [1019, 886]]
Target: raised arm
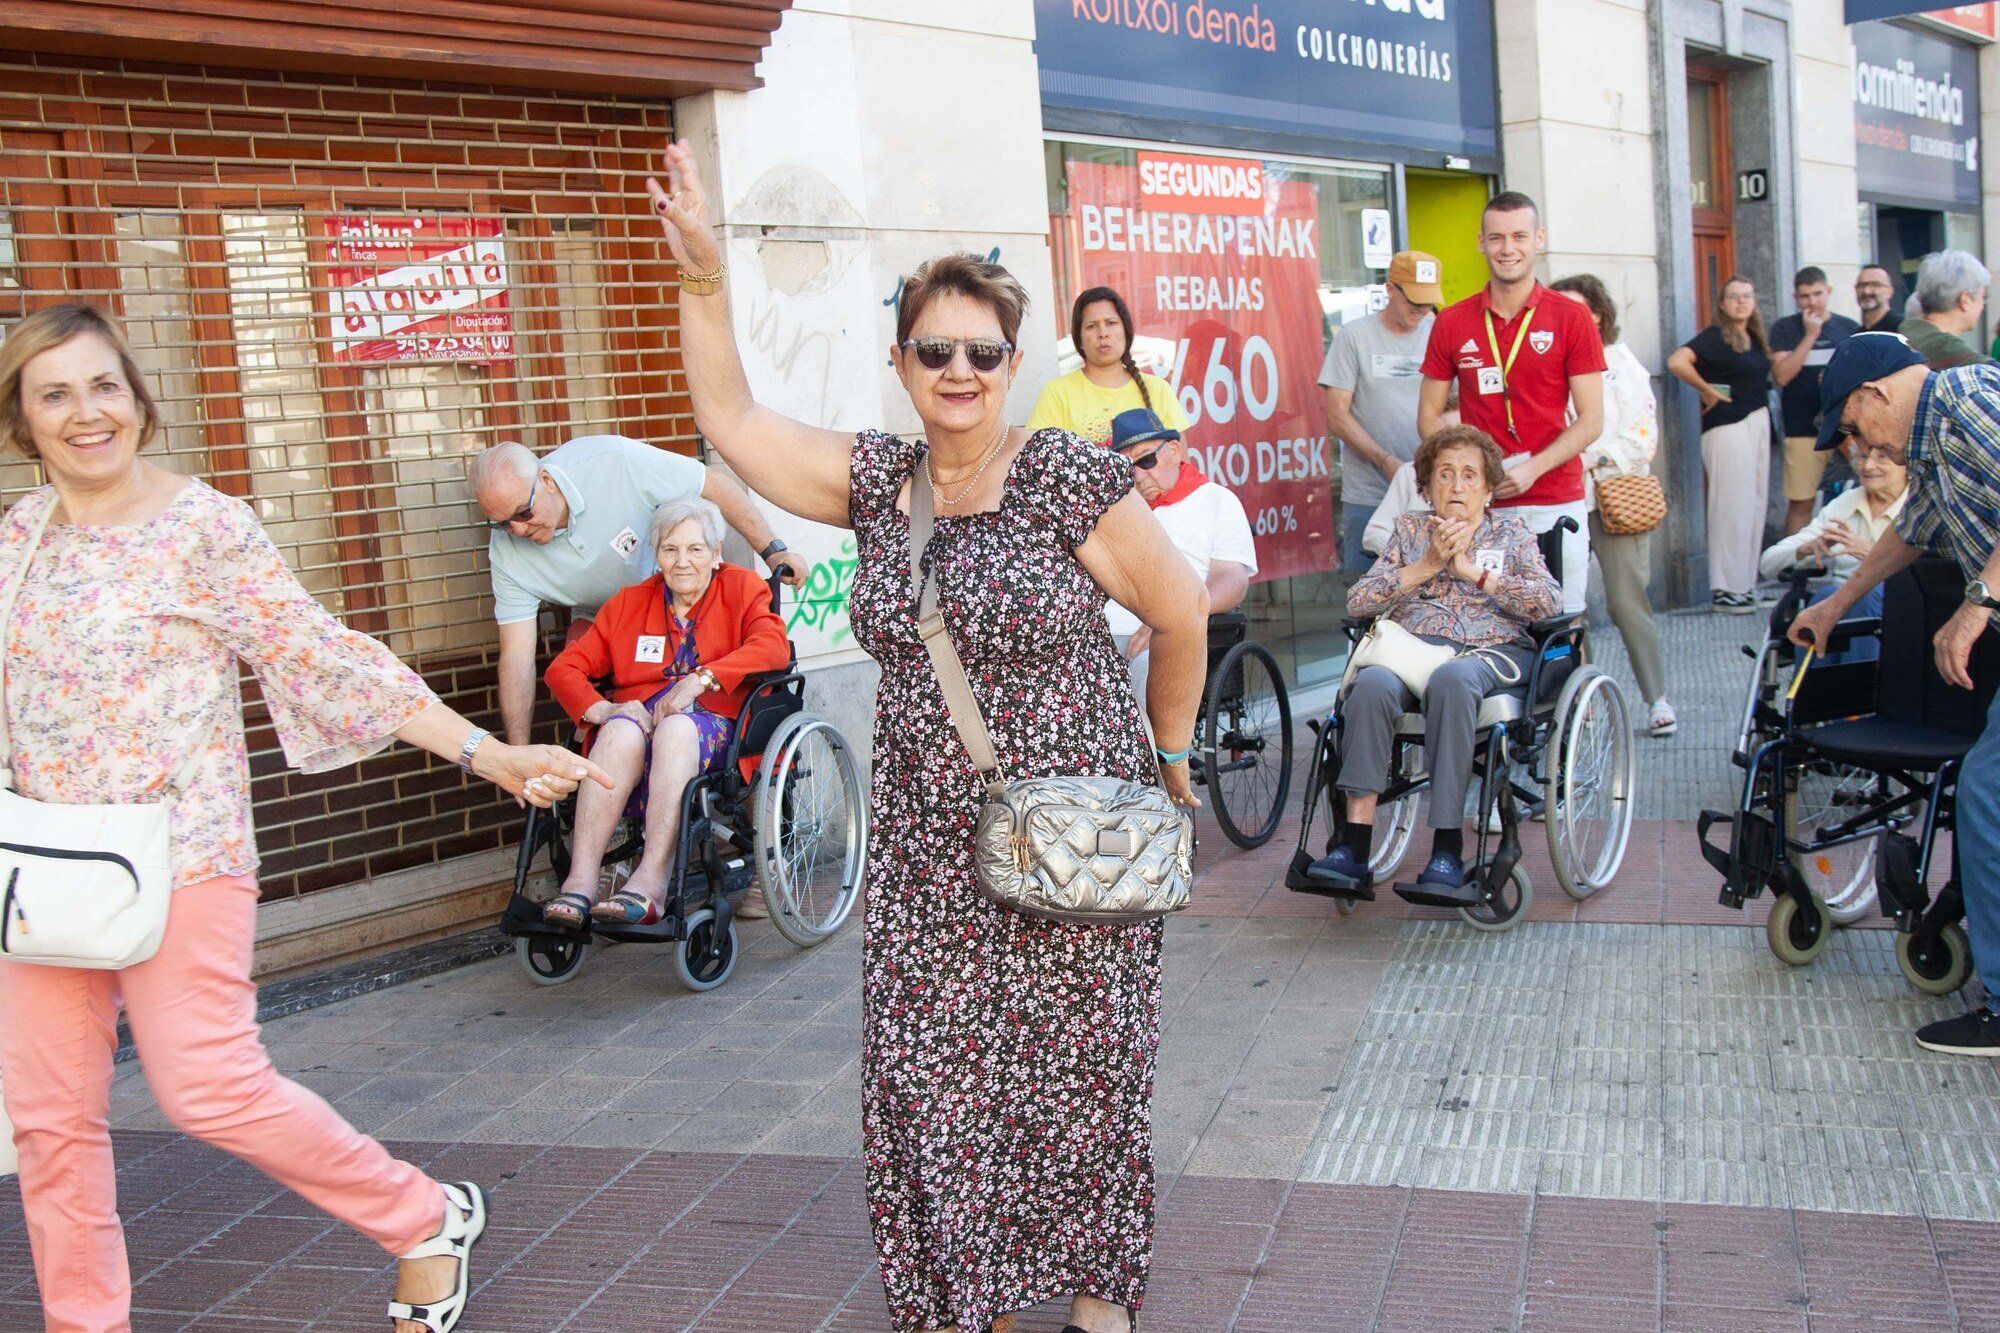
[[800, 468]]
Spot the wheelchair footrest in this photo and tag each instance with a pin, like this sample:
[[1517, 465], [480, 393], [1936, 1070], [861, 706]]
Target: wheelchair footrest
[[1896, 883], [1467, 894], [1300, 879]]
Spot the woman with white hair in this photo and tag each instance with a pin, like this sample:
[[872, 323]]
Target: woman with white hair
[[674, 653]]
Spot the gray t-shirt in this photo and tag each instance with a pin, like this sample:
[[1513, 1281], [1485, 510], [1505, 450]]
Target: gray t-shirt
[[1383, 370]]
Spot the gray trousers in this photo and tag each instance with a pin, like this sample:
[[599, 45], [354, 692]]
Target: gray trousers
[[1627, 563], [1376, 700]]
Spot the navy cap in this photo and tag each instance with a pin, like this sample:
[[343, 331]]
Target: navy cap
[[1138, 426], [1860, 359]]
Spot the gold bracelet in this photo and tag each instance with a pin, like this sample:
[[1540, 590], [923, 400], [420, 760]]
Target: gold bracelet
[[702, 284]]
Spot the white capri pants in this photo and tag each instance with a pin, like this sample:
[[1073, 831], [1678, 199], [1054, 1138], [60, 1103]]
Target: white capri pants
[[1575, 573], [1736, 464]]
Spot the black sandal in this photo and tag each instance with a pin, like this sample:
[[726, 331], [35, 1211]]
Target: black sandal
[[575, 902]]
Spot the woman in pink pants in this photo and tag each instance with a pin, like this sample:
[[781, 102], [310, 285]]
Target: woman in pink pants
[[143, 592]]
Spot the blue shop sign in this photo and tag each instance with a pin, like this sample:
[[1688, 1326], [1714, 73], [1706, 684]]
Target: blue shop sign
[[1412, 74], [1916, 116]]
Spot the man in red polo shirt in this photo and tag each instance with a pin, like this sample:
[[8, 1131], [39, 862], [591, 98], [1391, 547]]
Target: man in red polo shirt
[[1525, 358]]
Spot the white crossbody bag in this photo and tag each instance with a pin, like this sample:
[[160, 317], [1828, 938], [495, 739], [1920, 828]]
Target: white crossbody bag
[[81, 885]]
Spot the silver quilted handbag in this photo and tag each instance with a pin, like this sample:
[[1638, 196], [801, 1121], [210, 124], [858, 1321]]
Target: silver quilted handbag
[[1097, 850]]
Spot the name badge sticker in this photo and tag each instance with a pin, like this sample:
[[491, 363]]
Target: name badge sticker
[[626, 542], [652, 648], [1491, 380], [1491, 559]]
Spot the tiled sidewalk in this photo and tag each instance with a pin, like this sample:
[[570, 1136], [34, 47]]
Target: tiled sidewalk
[[1638, 1116], [600, 1241]]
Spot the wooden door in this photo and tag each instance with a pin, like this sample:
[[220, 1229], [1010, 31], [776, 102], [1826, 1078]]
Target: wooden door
[[1710, 180]]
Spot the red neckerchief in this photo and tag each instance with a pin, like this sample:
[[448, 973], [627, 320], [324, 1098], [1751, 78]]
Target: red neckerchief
[[1191, 480]]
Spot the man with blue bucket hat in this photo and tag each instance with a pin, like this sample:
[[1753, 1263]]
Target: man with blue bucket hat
[[1205, 520], [1878, 393]]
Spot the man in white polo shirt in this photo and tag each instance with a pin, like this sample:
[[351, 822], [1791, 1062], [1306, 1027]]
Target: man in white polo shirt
[[569, 530], [1205, 520]]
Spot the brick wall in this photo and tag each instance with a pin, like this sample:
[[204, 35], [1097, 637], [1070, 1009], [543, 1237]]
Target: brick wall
[[201, 205]]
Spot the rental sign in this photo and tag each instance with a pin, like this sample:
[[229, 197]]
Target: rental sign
[[418, 289]]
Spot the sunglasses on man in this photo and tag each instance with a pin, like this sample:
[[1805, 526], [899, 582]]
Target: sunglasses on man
[[1146, 461], [525, 514], [936, 352]]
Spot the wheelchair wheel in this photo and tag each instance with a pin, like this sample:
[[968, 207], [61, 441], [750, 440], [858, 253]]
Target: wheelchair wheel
[[1246, 744], [697, 971], [1587, 798], [1937, 966], [1517, 895], [811, 820], [1826, 795], [1798, 932], [1395, 824], [549, 961]]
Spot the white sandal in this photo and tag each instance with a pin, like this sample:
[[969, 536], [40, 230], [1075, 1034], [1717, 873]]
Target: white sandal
[[464, 1224]]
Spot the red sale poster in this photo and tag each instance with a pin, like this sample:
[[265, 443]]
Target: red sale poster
[[1222, 257], [418, 289]]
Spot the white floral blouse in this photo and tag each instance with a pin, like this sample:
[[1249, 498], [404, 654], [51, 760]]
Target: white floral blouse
[[125, 642]]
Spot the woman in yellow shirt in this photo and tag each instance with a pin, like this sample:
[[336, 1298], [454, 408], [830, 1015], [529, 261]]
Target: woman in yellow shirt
[[1109, 381]]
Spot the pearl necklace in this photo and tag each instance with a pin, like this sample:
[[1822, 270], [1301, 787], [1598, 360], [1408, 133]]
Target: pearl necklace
[[993, 452]]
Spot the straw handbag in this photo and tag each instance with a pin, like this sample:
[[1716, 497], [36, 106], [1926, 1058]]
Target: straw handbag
[[1629, 505]]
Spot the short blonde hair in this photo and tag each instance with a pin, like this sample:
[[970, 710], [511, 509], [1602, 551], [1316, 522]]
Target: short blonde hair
[[44, 331]]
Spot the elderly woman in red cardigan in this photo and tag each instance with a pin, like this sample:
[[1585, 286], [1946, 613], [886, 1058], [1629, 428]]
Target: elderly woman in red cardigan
[[674, 653]]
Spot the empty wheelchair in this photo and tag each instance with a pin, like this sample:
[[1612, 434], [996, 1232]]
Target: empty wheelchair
[[785, 809], [1560, 746], [1825, 794], [1243, 739], [1891, 734]]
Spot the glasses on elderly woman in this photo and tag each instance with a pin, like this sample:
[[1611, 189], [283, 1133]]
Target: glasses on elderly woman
[[984, 354], [524, 514]]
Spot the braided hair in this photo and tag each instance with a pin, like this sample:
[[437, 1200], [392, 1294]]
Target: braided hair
[[1084, 301]]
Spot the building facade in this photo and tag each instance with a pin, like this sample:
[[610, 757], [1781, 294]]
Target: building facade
[[245, 193]]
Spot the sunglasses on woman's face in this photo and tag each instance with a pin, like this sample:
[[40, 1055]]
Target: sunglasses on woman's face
[[984, 354]]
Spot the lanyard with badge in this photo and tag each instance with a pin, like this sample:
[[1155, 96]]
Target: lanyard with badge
[[1506, 365]]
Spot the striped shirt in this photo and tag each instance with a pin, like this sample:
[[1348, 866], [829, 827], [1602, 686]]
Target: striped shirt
[[1954, 504]]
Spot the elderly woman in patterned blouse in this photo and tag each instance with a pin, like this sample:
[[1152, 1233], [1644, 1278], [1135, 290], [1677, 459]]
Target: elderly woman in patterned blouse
[[139, 591], [1463, 577]]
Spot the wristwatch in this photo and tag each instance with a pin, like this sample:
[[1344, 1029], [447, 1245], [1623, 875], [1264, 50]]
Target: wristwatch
[[776, 546], [1976, 593], [707, 678]]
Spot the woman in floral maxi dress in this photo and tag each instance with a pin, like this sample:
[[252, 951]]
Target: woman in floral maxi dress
[[1007, 1063]]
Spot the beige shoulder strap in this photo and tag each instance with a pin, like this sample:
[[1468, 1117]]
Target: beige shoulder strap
[[966, 718]]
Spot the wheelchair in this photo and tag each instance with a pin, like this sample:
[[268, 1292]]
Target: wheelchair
[[785, 810], [1243, 739], [1561, 748], [1826, 793], [1892, 734]]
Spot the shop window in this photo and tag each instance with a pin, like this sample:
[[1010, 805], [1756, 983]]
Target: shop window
[[153, 280], [426, 419], [283, 412], [1272, 339]]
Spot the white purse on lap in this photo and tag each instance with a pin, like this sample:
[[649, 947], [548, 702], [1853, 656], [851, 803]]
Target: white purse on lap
[[1387, 644], [80, 885]]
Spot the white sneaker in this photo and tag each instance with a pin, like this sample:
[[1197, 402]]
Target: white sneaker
[[1661, 721]]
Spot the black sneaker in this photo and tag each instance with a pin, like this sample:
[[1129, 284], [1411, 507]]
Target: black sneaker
[[1976, 1033]]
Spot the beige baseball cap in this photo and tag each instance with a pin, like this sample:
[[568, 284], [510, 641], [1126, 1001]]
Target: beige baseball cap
[[1418, 274]]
